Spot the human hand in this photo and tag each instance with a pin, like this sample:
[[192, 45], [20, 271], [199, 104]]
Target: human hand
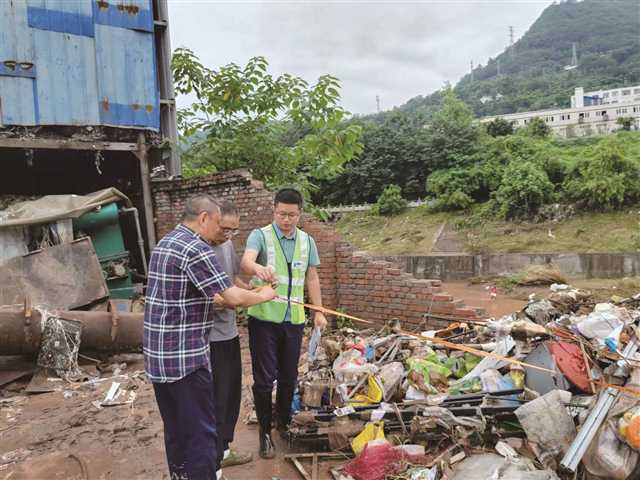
[[320, 321], [219, 302], [267, 293], [266, 274]]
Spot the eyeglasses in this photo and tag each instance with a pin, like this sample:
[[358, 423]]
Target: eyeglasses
[[284, 215], [230, 232]]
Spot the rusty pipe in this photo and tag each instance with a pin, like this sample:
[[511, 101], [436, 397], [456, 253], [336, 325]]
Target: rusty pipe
[[21, 334]]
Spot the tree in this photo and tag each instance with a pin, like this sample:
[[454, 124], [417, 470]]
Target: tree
[[394, 152], [538, 128], [452, 135], [285, 131], [626, 122], [499, 127]]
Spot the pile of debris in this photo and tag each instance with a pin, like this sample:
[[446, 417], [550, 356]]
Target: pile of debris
[[551, 392]]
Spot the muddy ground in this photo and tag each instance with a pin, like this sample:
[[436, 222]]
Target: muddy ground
[[63, 435]]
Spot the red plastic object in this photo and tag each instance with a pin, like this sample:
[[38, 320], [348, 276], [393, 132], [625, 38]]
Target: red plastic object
[[570, 362], [376, 462]]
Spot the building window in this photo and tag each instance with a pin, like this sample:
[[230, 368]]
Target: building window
[[605, 95], [568, 117], [626, 92], [636, 90], [614, 94]]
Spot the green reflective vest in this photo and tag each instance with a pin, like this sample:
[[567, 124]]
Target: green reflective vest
[[290, 278]]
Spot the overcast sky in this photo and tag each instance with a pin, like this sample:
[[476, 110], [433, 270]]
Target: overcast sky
[[396, 50]]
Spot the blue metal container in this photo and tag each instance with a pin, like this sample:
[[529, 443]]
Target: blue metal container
[[78, 62]]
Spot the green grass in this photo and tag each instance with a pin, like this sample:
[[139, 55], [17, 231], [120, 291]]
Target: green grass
[[598, 232], [412, 233]]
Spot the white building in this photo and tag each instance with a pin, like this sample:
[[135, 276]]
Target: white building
[[605, 97], [591, 113]]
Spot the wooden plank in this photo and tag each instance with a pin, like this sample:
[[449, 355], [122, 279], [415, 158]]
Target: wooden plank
[[60, 144], [299, 467], [330, 455], [145, 179], [314, 468]]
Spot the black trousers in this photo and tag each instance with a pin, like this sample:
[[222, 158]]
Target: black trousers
[[188, 413], [226, 364], [275, 350]]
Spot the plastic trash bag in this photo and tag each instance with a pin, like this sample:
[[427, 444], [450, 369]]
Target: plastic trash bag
[[371, 431], [609, 458]]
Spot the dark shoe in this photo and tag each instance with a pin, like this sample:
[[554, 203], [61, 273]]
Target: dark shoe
[[267, 448], [236, 458]]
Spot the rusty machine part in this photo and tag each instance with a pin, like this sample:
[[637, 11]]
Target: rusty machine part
[[21, 330]]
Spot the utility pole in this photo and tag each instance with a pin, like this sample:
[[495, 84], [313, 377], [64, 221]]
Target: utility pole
[[378, 103], [574, 57], [511, 39]]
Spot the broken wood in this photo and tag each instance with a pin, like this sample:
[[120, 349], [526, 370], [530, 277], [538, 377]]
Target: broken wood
[[61, 144], [315, 462]]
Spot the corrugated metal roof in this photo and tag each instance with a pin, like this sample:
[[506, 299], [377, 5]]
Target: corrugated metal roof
[[93, 63]]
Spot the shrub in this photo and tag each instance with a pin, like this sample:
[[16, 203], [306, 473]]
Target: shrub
[[524, 189], [453, 189], [499, 127], [606, 179], [390, 201]]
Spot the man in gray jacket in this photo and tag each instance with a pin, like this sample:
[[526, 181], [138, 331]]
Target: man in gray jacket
[[224, 344]]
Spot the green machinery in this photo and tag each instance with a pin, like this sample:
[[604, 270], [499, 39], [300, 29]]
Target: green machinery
[[104, 226]]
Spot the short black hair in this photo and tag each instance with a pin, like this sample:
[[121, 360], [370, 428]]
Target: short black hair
[[228, 208], [290, 196], [199, 203]]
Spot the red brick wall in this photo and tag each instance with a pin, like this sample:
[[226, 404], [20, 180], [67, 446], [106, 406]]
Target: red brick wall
[[371, 289]]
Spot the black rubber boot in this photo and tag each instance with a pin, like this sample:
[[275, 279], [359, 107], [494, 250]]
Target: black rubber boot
[[267, 448], [262, 402], [284, 396]]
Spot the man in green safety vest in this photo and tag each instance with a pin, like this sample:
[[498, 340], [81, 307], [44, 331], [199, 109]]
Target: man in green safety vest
[[283, 255]]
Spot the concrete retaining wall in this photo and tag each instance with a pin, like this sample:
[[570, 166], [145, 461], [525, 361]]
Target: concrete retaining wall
[[576, 265]]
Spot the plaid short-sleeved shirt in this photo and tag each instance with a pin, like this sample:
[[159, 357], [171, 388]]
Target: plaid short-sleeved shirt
[[184, 275]]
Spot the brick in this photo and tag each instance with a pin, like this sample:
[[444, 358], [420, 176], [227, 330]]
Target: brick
[[351, 278]]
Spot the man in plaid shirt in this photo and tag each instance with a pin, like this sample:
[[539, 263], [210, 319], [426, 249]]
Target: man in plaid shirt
[[184, 277]]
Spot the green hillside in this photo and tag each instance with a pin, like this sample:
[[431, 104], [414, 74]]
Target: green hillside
[[532, 74], [430, 135]]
